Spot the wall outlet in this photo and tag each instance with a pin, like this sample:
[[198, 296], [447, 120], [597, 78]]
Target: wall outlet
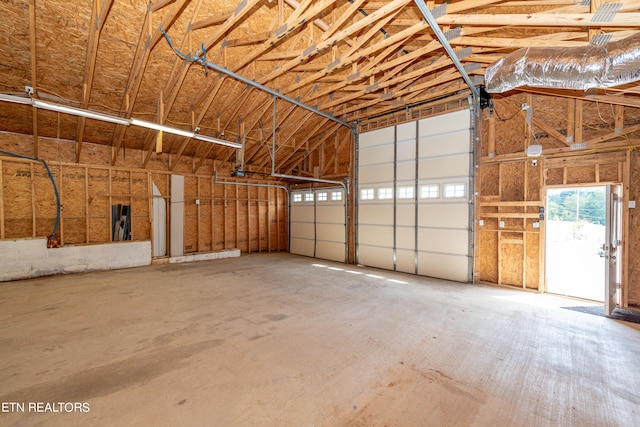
[[481, 222], [632, 204], [536, 224], [197, 201], [501, 224]]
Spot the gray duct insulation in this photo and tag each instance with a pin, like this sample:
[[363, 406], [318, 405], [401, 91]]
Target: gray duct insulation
[[578, 68]]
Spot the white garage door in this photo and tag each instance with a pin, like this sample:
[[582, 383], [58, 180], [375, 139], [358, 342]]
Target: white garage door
[[318, 223], [413, 197]]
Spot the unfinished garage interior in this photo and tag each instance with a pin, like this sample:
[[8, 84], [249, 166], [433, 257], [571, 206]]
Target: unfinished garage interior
[[319, 212]]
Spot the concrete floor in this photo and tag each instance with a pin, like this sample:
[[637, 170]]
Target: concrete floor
[[272, 340]]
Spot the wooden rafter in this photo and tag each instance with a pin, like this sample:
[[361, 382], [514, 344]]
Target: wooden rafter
[[99, 15]]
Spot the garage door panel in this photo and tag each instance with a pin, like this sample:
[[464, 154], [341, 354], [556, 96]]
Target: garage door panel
[[451, 267], [405, 214], [301, 246], [375, 174], [406, 150], [406, 131], [330, 250], [375, 256], [303, 230], [302, 212], [445, 144], [446, 241], [378, 214], [406, 261], [406, 172], [406, 238], [376, 155], [442, 224], [333, 232], [444, 215], [445, 123], [330, 213], [376, 137], [443, 167], [377, 236]]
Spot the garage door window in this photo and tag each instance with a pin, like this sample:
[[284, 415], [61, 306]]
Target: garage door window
[[405, 193], [454, 191], [385, 193], [429, 191], [366, 194]]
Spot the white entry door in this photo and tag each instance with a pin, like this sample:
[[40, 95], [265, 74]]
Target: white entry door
[[613, 248]]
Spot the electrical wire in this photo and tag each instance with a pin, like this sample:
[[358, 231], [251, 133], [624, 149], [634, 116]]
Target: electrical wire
[[53, 182]]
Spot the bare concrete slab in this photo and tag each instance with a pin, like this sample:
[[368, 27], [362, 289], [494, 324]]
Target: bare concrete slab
[[282, 340]]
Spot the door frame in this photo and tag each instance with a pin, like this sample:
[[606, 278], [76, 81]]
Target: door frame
[[623, 214]]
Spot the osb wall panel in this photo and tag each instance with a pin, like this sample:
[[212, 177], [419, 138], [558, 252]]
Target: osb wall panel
[[608, 172], [191, 223], [634, 232], [581, 174], [489, 179], [532, 261], [205, 207], [512, 263], [487, 254], [16, 189], [510, 124], [533, 181], [45, 199], [512, 178], [227, 216], [99, 209], [73, 192], [554, 176]]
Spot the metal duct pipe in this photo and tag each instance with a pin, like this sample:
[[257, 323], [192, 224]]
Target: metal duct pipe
[[577, 68]]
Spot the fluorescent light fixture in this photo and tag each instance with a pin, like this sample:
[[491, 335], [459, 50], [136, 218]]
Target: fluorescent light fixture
[[217, 141], [79, 112], [15, 99], [156, 126]]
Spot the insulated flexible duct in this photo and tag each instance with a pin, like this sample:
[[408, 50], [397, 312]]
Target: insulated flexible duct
[[577, 68]]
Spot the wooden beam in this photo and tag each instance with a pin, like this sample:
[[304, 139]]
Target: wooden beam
[[215, 19], [327, 134], [356, 53], [569, 20], [619, 118], [34, 73], [303, 142], [327, 41], [101, 9], [159, 4], [136, 73]]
